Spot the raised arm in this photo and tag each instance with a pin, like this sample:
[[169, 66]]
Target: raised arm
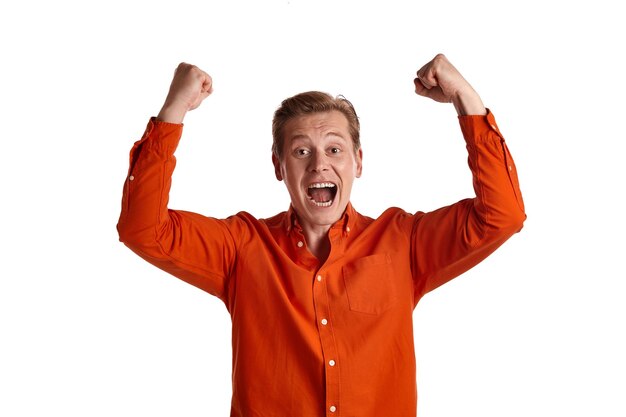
[[195, 248], [451, 240]]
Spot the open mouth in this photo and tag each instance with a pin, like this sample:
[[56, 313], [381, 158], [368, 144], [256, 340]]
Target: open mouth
[[322, 194]]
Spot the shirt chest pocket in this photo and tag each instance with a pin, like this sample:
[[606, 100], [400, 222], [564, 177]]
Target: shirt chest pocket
[[370, 285]]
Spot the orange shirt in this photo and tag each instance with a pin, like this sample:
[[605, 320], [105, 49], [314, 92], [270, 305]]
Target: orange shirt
[[331, 339]]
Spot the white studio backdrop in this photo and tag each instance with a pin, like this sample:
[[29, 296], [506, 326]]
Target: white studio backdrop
[[89, 329]]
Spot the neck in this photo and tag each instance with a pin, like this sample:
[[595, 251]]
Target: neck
[[317, 240]]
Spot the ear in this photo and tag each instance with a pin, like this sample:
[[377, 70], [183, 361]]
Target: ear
[[359, 163], [276, 162]]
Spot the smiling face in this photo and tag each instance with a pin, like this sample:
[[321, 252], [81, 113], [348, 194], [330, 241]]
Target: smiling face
[[318, 165]]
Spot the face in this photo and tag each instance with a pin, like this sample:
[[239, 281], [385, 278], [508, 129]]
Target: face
[[318, 166]]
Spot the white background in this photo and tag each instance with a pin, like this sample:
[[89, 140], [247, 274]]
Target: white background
[[89, 329]]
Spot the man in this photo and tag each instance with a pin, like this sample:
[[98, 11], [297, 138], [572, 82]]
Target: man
[[321, 297]]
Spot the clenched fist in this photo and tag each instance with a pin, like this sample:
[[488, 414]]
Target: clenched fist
[[440, 81], [189, 87]]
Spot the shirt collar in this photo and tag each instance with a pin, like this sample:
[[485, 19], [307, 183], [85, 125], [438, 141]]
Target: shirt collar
[[345, 223]]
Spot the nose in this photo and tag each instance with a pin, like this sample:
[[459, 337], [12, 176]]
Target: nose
[[318, 162]]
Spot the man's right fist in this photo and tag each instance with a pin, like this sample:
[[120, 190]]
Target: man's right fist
[[189, 87]]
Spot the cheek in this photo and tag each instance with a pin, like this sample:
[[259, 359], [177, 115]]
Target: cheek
[[287, 170], [290, 175], [352, 168], [293, 169]]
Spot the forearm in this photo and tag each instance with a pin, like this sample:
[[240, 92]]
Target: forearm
[[469, 103], [172, 113], [498, 206], [146, 189]]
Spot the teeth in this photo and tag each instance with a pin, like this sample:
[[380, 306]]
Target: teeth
[[322, 185], [325, 204]]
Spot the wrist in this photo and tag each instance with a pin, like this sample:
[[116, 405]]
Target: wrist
[[172, 113], [468, 103]]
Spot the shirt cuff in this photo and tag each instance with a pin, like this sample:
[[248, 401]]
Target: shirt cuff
[[479, 126], [161, 136]]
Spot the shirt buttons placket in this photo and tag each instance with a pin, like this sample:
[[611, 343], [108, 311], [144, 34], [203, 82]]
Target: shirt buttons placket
[[327, 339]]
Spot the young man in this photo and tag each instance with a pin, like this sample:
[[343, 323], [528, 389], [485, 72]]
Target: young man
[[321, 297]]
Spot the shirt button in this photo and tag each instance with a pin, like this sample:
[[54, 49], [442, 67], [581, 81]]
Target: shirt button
[[132, 177], [332, 408], [300, 244], [510, 168], [324, 322], [331, 362], [348, 229], [319, 278]]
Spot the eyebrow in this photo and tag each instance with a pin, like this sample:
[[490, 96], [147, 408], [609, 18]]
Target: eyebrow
[[300, 136]]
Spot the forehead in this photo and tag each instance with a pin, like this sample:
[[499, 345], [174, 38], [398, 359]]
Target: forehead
[[317, 124]]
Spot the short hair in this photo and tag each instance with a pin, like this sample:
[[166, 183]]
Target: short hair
[[309, 103]]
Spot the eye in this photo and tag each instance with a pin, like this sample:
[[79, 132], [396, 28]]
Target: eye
[[300, 152], [335, 150]]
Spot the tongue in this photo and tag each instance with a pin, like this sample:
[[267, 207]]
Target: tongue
[[321, 195]]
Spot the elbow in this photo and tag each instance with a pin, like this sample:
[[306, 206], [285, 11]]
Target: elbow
[[143, 239], [132, 237], [142, 244], [129, 239], [511, 222], [518, 225], [124, 233], [518, 217]]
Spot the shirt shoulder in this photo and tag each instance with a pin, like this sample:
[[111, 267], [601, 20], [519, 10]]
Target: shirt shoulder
[[277, 220], [245, 227], [393, 221]]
